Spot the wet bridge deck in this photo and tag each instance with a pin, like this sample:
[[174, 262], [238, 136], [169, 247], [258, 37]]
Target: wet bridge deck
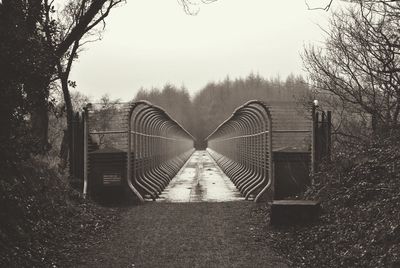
[[200, 180]]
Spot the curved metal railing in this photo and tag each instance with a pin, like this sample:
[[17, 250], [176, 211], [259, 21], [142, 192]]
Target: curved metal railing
[[158, 147], [152, 145], [243, 144]]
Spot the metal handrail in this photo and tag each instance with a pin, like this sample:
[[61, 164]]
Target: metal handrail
[[155, 144], [243, 145]]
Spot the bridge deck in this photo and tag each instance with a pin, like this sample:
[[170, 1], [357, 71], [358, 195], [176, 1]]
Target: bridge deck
[[200, 180]]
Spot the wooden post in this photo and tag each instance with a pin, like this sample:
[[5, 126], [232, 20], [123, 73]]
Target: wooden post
[[85, 150], [317, 131], [329, 133], [81, 143], [313, 137], [73, 146], [271, 170], [323, 134]]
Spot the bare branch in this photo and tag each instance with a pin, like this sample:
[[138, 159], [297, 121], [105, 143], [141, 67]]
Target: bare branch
[[188, 5], [326, 8]]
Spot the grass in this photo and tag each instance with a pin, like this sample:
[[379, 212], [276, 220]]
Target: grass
[[186, 235]]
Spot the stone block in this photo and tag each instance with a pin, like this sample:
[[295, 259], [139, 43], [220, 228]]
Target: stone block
[[291, 212]]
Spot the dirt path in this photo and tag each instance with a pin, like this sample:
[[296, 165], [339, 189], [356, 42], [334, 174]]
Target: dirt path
[[200, 220], [156, 234]]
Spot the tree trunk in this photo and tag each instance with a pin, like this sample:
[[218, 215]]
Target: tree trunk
[[69, 110], [40, 122], [37, 88]]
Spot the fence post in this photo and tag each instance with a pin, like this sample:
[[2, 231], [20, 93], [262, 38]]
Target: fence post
[[329, 133], [85, 150], [73, 145], [314, 137], [324, 136]]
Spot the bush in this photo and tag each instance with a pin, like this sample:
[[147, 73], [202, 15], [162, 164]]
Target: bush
[[360, 226], [42, 218]]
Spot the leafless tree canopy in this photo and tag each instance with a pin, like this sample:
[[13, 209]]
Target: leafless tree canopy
[[359, 61]]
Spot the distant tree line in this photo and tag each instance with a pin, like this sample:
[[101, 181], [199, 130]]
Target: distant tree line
[[176, 102], [209, 107]]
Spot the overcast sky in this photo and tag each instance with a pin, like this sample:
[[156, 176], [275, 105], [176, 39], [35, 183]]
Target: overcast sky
[[148, 43]]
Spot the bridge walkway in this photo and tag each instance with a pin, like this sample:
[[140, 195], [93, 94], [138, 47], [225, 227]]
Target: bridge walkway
[[200, 180]]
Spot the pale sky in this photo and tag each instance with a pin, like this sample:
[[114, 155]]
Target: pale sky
[[148, 43]]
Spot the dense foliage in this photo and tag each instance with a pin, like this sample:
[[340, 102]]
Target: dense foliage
[[360, 223], [42, 219], [23, 61]]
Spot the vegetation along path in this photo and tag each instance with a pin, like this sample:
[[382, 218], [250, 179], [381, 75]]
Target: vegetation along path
[[185, 231]]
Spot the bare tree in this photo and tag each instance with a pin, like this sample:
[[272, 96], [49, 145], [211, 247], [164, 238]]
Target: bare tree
[[66, 20], [78, 24], [61, 43], [359, 62]]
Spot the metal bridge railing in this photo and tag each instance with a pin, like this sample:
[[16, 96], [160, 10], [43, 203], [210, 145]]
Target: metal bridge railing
[[153, 145], [243, 145]]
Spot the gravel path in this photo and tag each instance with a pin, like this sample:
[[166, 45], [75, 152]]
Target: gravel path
[[229, 234]]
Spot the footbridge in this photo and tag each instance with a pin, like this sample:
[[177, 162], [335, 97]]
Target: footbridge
[[263, 151]]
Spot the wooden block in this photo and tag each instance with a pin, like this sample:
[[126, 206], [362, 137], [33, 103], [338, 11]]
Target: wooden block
[[291, 212]]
